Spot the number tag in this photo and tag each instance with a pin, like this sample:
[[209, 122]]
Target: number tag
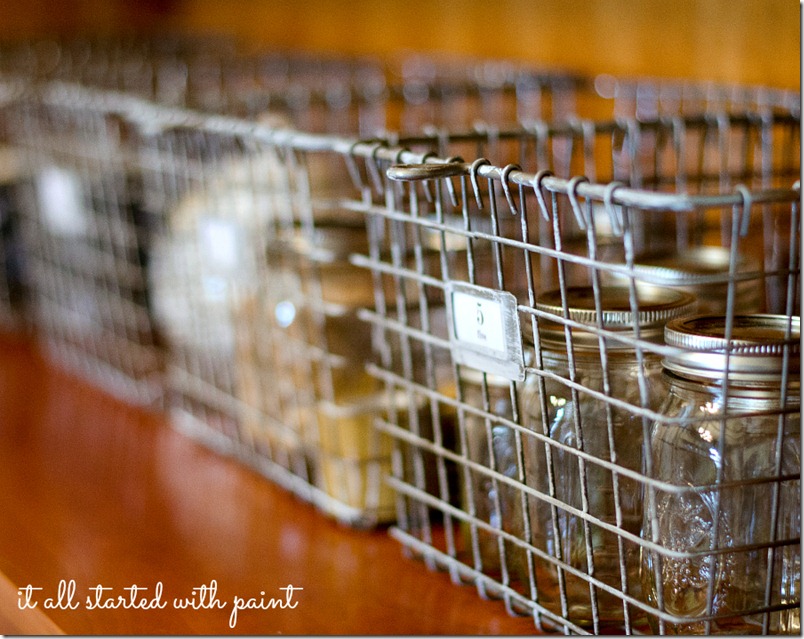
[[221, 243], [61, 203], [484, 330]]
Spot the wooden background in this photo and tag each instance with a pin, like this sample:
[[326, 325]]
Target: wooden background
[[748, 41]]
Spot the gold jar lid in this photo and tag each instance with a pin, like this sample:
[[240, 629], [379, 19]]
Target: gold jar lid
[[755, 351], [655, 307]]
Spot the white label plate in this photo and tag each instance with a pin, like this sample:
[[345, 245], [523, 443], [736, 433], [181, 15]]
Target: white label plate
[[484, 329], [61, 203], [221, 244]]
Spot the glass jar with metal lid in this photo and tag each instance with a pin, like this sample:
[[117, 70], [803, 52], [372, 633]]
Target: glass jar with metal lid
[[704, 272], [725, 513], [589, 403], [300, 341]]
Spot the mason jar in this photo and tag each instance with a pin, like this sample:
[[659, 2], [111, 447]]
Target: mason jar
[[725, 514], [704, 272], [300, 342], [485, 496], [573, 405], [306, 398]]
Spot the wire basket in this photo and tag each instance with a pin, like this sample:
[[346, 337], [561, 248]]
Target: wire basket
[[76, 186], [253, 280], [540, 472], [253, 289], [83, 231]]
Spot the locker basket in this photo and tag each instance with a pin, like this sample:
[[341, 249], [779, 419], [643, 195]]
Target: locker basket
[[83, 232], [13, 179], [81, 216], [253, 289], [234, 264], [528, 336]]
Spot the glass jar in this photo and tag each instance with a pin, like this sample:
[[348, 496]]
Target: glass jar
[[728, 455], [307, 400], [492, 445], [704, 272], [300, 341], [583, 429]]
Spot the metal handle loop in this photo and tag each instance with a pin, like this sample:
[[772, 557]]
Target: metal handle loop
[[352, 168], [373, 167], [428, 194], [398, 157], [748, 202], [507, 189], [453, 159], [417, 172], [538, 191], [572, 192], [617, 219], [397, 161], [473, 178]]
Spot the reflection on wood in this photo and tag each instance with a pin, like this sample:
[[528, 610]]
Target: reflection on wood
[[104, 494]]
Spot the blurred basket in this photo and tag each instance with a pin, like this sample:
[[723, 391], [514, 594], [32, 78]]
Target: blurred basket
[[83, 233], [249, 277], [13, 178]]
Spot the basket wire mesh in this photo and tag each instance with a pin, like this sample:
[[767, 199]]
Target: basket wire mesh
[[13, 179]]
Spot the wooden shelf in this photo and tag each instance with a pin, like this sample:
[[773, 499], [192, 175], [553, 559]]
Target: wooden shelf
[[98, 492]]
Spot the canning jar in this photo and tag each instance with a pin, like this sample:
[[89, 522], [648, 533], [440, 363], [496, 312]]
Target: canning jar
[[726, 513], [491, 444], [704, 272], [586, 403], [306, 398], [300, 341]]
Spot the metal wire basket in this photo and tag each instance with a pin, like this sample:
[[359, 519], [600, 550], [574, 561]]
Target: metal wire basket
[[559, 261], [76, 186], [252, 285], [83, 231]]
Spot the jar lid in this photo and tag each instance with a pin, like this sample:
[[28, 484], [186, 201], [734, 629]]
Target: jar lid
[[691, 266], [702, 271], [656, 307], [756, 348]]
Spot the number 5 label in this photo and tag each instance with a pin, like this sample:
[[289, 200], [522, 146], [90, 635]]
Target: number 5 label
[[484, 330]]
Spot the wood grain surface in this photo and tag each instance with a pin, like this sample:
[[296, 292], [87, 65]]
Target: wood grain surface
[[16, 620], [97, 492]]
